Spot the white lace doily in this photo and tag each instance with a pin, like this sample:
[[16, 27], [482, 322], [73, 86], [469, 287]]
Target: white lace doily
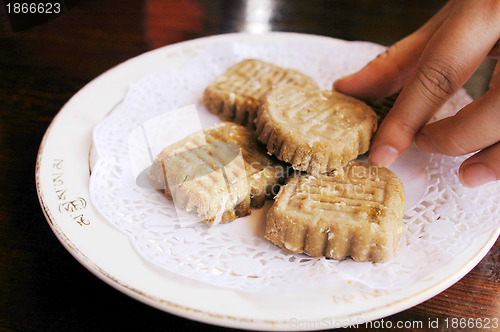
[[442, 217]]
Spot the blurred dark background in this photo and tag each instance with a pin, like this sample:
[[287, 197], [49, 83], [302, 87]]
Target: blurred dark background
[[43, 63]]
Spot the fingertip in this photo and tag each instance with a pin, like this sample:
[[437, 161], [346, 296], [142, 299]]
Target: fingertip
[[356, 85], [476, 174], [366, 84], [343, 84], [384, 155]]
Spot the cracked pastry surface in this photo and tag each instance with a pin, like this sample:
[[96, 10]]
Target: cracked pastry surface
[[315, 131], [358, 214]]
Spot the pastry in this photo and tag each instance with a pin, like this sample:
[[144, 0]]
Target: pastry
[[315, 131], [239, 92], [356, 213], [218, 173]]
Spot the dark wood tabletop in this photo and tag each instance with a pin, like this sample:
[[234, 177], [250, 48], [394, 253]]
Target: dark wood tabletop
[[42, 287]]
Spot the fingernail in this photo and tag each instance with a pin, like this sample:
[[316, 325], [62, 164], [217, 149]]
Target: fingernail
[[424, 143], [475, 175], [384, 155]]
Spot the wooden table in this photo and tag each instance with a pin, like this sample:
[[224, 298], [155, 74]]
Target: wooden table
[[42, 287]]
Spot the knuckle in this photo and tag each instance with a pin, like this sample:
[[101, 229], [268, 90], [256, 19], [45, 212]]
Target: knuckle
[[438, 81]]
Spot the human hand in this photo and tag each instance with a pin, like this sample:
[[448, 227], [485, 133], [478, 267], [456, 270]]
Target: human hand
[[432, 64]]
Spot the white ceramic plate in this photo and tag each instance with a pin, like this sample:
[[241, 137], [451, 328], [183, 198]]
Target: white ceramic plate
[[62, 177]]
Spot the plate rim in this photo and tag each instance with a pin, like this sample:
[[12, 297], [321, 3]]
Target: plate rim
[[201, 315]]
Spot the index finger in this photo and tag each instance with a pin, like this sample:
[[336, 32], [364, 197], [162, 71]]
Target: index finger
[[387, 73], [449, 59]]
